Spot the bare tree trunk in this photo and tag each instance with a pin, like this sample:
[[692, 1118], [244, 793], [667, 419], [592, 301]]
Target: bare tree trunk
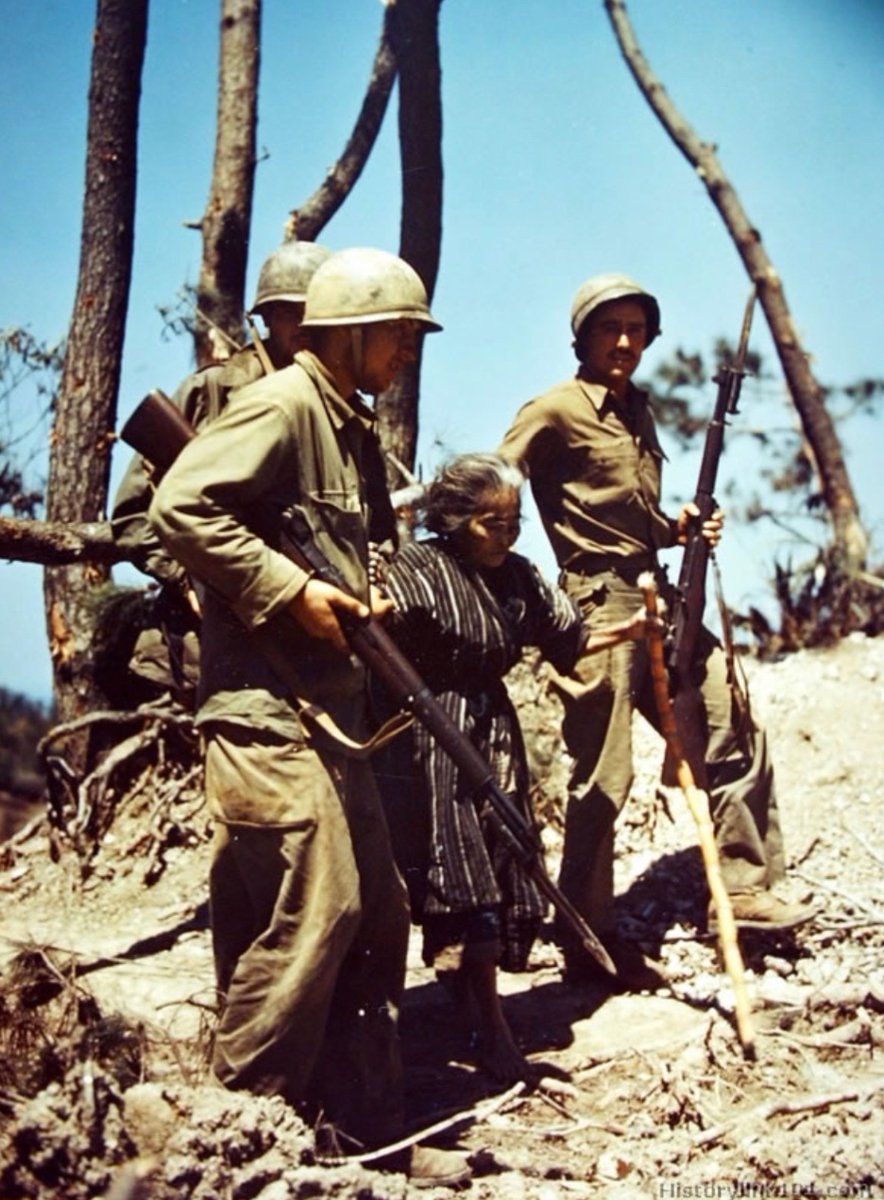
[[79, 461], [850, 538], [414, 31], [308, 221], [227, 220]]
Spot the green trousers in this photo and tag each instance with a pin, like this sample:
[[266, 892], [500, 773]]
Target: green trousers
[[599, 700], [310, 926]]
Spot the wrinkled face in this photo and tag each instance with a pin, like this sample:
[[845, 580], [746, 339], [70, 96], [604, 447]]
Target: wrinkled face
[[283, 320], [492, 532], [386, 348], [611, 343]]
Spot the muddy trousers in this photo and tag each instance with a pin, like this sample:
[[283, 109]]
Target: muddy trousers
[[599, 701], [310, 931]]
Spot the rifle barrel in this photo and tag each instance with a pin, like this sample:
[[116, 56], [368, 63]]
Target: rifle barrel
[[159, 431]]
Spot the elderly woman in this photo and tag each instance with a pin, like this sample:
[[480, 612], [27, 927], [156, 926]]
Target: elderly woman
[[466, 608]]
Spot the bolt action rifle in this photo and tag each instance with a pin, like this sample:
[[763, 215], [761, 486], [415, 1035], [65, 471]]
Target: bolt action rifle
[[691, 594], [159, 431]]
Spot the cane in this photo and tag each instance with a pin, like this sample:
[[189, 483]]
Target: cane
[[698, 803]]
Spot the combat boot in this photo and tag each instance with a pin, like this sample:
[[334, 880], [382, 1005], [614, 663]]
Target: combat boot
[[762, 910]]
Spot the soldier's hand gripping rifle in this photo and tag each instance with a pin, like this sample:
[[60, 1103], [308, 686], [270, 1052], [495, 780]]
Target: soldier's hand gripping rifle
[[158, 431], [691, 598]]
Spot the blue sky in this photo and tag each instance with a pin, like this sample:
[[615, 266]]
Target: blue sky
[[555, 169]]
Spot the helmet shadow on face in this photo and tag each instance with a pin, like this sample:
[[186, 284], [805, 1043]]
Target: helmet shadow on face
[[604, 289], [610, 342]]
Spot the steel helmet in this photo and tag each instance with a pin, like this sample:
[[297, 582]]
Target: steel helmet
[[286, 272], [602, 288], [360, 286]]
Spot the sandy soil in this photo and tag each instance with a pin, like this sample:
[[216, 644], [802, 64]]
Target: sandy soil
[[107, 1023]]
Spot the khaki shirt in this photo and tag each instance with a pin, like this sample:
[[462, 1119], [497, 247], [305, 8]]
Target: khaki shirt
[[201, 397], [594, 471], [289, 439]]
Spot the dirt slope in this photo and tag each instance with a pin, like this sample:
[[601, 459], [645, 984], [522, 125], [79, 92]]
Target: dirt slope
[[643, 1096]]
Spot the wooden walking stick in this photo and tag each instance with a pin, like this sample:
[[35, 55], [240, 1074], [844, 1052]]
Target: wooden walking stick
[[698, 803]]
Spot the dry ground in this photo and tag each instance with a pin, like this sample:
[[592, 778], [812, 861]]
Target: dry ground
[[643, 1096]]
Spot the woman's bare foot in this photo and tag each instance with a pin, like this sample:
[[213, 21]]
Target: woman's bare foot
[[498, 1055]]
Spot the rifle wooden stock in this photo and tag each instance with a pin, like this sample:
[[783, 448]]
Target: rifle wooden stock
[[691, 599], [158, 431]]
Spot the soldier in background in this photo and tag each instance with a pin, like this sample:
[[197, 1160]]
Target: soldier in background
[[166, 653]]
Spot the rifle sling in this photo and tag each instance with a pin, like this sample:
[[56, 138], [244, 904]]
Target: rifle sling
[[735, 673], [314, 720]]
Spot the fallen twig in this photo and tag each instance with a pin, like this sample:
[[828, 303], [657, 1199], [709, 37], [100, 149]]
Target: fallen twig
[[26, 831], [775, 1108], [852, 1035], [548, 1098], [559, 1131], [862, 838], [479, 1112], [876, 914]]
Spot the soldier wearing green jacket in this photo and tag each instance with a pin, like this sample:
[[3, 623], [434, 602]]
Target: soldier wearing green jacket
[[166, 654], [310, 917]]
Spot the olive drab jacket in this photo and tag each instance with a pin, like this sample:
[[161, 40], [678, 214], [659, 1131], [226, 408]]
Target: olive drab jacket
[[289, 439], [200, 397]]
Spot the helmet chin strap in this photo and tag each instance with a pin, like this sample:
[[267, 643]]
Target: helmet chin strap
[[357, 352]]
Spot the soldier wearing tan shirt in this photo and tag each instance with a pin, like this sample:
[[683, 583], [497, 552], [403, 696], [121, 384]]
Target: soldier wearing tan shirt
[[590, 449]]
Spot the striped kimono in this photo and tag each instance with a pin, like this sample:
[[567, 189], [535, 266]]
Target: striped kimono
[[464, 629]]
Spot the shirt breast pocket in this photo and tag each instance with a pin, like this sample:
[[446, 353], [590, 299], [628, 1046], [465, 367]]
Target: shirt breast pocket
[[337, 520], [612, 468]]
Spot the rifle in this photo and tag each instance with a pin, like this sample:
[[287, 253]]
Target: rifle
[[158, 431], [691, 594]]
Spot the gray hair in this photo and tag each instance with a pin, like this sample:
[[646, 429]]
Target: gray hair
[[456, 494]]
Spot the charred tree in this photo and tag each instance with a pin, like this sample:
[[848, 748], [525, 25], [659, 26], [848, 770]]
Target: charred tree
[[81, 439], [226, 223], [414, 31], [850, 541]]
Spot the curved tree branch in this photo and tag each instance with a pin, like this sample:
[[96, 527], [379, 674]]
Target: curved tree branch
[[308, 221], [851, 541]]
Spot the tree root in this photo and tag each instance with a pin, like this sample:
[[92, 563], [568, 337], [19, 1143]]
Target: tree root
[[155, 767]]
